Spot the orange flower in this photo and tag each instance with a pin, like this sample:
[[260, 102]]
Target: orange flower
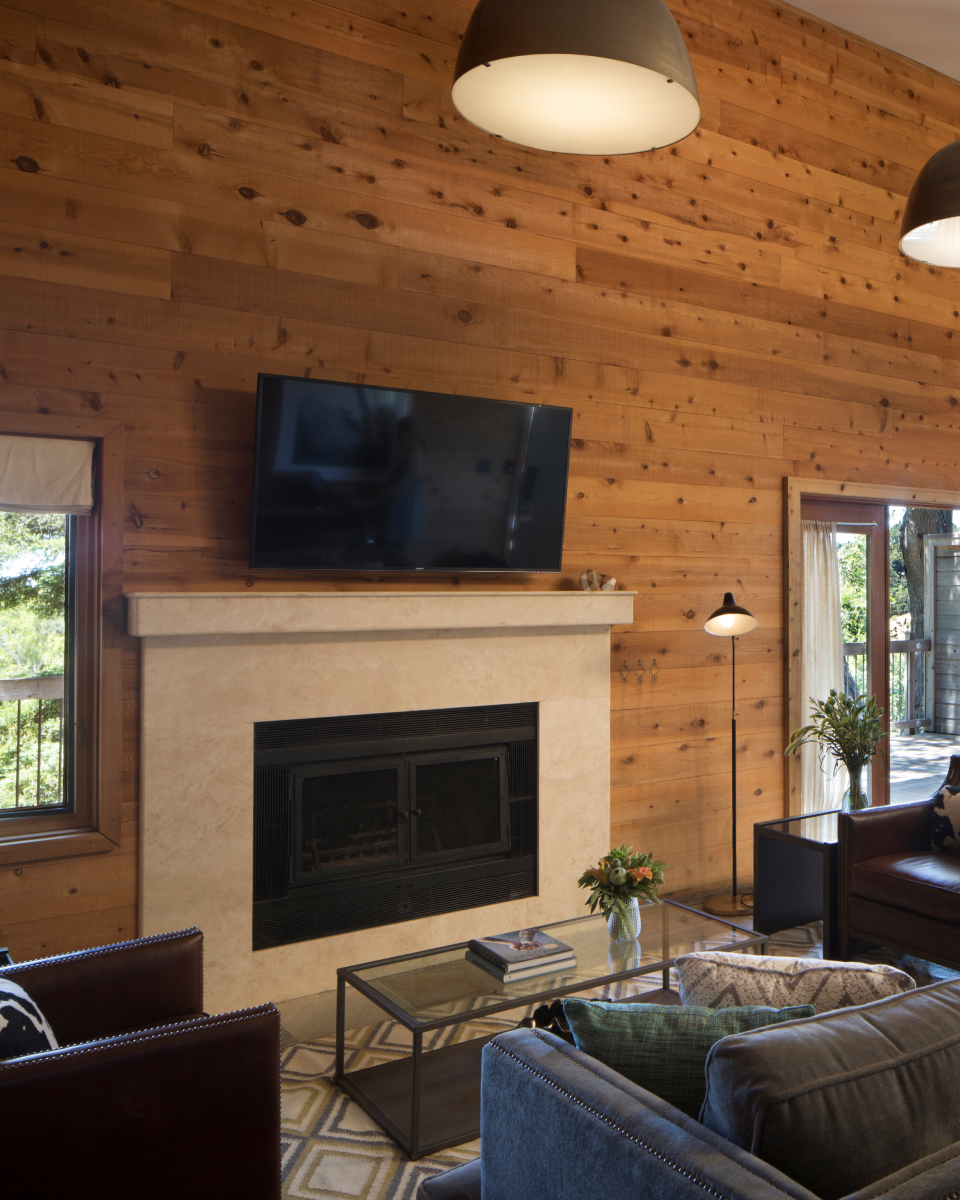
[[641, 873]]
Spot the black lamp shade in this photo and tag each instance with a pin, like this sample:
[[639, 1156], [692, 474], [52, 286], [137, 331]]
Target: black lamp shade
[[730, 620], [930, 232], [577, 76]]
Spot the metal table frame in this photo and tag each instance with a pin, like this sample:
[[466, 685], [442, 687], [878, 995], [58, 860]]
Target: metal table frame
[[454, 1071], [795, 880]]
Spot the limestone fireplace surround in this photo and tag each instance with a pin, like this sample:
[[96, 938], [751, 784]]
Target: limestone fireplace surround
[[213, 664]]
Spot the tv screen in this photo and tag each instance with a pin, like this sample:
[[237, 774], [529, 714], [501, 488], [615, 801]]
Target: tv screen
[[356, 478]]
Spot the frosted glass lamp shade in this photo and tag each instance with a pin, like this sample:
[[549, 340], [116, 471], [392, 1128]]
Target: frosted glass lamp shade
[[930, 232], [577, 76], [730, 620]]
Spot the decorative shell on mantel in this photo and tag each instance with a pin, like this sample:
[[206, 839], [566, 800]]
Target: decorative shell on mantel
[[591, 581]]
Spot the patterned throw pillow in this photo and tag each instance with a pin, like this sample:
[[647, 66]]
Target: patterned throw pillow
[[945, 832], [23, 1027], [719, 980], [664, 1047]]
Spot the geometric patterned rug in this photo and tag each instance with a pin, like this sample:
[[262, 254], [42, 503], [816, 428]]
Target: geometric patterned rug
[[333, 1151]]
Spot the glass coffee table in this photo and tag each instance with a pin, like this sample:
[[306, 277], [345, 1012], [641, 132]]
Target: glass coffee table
[[430, 1100]]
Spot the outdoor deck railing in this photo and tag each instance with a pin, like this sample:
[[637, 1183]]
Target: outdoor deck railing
[[31, 743], [908, 701]]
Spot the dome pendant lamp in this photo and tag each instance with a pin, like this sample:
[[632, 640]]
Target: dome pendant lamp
[[577, 76], [930, 232]]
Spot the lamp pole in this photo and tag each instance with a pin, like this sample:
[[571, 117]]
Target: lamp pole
[[730, 619]]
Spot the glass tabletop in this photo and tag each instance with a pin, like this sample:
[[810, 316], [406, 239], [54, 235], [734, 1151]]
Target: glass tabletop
[[440, 984], [812, 827]]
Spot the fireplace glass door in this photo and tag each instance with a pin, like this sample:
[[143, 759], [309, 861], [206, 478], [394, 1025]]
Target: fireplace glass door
[[459, 804], [349, 816], [375, 814]]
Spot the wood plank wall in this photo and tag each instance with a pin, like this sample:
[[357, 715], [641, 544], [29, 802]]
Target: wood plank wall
[[196, 192]]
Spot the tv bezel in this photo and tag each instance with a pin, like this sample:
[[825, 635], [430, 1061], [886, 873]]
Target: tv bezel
[[262, 375]]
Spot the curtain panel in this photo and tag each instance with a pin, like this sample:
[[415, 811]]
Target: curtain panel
[[821, 658]]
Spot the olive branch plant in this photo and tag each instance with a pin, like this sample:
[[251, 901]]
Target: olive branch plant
[[849, 729]]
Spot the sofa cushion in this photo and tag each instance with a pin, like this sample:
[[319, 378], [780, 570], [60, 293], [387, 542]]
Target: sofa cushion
[[847, 1097], [717, 979], [945, 826], [923, 883], [23, 1027], [663, 1047]]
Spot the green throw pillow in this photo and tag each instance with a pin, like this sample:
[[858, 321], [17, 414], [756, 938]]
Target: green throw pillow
[[664, 1047]]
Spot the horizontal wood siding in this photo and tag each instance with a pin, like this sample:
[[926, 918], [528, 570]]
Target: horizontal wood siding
[[196, 192]]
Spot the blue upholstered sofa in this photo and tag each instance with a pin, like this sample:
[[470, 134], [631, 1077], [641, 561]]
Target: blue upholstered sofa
[[558, 1125]]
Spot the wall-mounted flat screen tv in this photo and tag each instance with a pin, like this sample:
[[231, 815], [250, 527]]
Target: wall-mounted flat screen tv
[[355, 478]]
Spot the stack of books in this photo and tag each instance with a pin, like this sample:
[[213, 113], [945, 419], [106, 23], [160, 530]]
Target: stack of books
[[521, 954]]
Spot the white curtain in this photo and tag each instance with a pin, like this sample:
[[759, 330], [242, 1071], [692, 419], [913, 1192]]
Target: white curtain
[[821, 662], [46, 474]]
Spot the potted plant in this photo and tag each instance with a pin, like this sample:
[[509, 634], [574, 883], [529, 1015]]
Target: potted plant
[[848, 729], [617, 883]]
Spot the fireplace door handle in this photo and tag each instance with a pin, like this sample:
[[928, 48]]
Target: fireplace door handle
[[415, 812]]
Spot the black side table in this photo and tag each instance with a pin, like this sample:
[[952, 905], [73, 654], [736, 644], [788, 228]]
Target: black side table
[[795, 875]]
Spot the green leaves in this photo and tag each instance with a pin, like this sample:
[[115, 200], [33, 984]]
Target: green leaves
[[848, 729], [619, 877]]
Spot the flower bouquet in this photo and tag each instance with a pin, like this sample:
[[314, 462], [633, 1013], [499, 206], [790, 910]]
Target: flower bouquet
[[620, 879]]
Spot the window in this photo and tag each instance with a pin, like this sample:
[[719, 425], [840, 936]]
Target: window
[[60, 628], [899, 617]]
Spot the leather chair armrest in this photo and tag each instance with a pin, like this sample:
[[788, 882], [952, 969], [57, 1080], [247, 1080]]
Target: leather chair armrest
[[130, 985], [189, 1111], [892, 829]]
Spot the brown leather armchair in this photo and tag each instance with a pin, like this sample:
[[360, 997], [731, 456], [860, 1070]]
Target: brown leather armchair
[[147, 1096], [894, 889]]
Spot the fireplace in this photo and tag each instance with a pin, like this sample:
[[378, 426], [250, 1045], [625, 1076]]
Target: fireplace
[[220, 671], [369, 820]]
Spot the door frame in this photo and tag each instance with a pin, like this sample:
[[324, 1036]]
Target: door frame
[[795, 490]]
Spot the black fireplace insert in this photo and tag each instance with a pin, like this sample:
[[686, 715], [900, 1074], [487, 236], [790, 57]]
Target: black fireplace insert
[[368, 820]]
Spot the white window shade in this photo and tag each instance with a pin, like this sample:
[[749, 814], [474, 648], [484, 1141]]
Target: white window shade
[[46, 474]]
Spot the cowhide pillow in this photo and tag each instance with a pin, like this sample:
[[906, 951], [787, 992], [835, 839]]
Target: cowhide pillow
[[23, 1027], [715, 979], [945, 832]]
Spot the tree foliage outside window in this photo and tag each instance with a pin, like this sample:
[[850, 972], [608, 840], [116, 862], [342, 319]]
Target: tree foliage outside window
[[32, 645]]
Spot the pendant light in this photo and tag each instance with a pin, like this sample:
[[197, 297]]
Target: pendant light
[[930, 232], [577, 76]]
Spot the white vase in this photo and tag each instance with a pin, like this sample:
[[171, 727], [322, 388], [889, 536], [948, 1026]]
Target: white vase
[[625, 929]]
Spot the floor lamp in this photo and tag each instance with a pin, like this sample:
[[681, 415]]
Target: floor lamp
[[730, 620]]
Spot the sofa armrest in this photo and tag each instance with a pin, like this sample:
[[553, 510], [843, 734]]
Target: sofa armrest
[[554, 1122], [98, 993], [189, 1110], [891, 829]]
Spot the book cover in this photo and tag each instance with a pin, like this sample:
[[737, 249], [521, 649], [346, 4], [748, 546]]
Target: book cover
[[519, 946], [568, 963]]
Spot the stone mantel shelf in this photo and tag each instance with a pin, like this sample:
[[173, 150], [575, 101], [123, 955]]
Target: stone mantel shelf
[[186, 614]]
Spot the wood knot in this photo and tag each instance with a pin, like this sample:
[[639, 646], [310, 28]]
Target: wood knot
[[464, 316], [24, 163], [367, 220], [295, 217], [153, 473], [248, 193]]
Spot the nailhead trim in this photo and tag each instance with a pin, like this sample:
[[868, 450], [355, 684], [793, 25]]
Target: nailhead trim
[[114, 948], [167, 1031]]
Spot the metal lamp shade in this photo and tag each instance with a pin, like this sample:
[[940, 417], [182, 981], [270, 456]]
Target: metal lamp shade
[[930, 232], [730, 620], [577, 76]]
